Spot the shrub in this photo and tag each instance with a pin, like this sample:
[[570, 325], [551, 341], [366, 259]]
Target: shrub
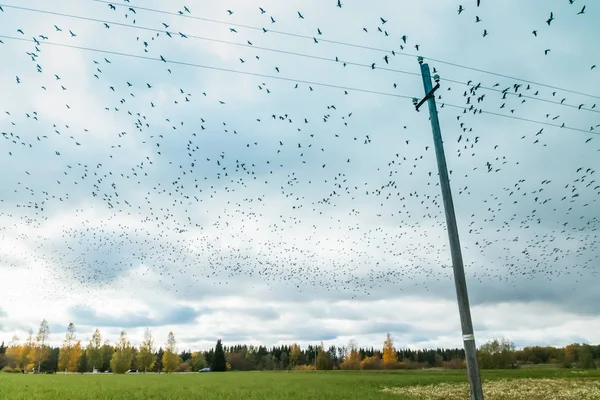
[[183, 367], [304, 368], [455, 363], [373, 362]]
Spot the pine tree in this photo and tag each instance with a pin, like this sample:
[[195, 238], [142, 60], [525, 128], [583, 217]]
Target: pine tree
[[83, 363], [159, 357], [219, 364]]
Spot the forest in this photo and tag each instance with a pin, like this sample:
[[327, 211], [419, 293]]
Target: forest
[[35, 355]]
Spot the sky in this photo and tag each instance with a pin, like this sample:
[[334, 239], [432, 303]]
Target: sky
[[264, 178]]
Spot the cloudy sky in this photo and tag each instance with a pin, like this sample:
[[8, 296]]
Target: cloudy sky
[[264, 177]]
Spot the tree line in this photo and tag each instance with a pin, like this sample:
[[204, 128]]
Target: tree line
[[36, 355]]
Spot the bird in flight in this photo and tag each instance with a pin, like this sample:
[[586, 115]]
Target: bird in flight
[[460, 9], [582, 11], [549, 21]]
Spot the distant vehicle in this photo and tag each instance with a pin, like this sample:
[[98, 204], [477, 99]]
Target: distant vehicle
[[131, 371], [205, 370]]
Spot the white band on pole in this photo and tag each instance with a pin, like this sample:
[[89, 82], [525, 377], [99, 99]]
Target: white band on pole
[[468, 337]]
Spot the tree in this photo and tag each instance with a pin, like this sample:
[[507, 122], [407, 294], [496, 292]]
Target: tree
[[42, 350], [122, 357], [323, 360], [170, 359], [197, 361], [107, 352], [51, 364], [28, 353], [373, 362], [284, 360], [66, 350], [390, 357], [585, 357], [295, 355], [351, 357], [13, 353], [159, 358], [497, 354], [145, 357], [83, 362], [219, 363], [76, 354], [94, 350], [3, 360]]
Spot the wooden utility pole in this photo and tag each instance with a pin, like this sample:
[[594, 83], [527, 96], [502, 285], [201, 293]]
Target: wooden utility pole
[[457, 261]]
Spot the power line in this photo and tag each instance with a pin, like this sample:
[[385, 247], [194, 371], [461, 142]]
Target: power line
[[336, 60], [480, 111], [280, 78], [207, 39], [521, 95], [188, 64], [348, 45]]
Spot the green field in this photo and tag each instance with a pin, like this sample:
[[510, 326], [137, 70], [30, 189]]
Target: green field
[[328, 385]]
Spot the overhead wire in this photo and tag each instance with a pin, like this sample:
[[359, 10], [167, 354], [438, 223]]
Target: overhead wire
[[189, 64], [481, 111], [521, 95], [286, 52], [349, 45]]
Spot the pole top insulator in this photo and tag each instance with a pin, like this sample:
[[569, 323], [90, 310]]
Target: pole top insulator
[[436, 78], [420, 59]]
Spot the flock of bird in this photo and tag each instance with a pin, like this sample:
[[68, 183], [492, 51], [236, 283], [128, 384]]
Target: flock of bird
[[178, 185]]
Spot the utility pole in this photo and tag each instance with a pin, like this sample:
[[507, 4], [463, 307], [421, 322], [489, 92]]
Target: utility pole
[[457, 261]]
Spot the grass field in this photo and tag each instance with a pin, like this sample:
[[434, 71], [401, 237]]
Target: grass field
[[330, 385]]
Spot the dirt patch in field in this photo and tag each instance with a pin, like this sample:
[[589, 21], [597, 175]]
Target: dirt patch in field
[[516, 389]]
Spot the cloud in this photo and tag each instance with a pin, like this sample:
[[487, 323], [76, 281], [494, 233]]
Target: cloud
[[169, 316]]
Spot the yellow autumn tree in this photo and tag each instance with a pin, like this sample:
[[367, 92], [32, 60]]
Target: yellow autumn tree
[[373, 362], [170, 358], [76, 353], [69, 355], [390, 357], [27, 353], [295, 355], [352, 357], [13, 354]]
